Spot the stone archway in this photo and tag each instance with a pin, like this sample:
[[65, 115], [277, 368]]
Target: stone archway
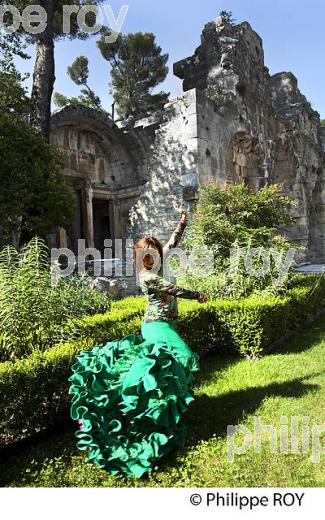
[[102, 165]]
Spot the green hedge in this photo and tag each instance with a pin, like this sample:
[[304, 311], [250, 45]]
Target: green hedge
[[249, 326], [34, 391]]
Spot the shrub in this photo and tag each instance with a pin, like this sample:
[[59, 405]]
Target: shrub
[[227, 16], [247, 327], [34, 311], [241, 228], [34, 391]]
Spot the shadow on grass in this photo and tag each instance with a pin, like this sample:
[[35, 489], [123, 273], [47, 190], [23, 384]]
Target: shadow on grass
[[207, 416], [300, 341], [13, 467], [303, 339], [210, 416], [211, 366]]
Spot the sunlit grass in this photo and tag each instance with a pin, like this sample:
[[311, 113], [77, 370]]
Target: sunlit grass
[[289, 382]]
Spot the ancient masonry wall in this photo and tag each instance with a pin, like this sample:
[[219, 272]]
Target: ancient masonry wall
[[171, 170], [234, 124]]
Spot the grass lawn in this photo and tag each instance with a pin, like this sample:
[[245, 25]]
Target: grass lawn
[[288, 382]]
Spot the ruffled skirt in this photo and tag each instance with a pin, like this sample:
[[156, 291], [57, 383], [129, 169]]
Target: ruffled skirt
[[129, 397]]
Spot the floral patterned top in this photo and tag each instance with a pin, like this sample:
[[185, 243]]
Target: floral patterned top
[[162, 294]]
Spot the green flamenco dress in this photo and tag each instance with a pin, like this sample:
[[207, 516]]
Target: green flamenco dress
[[129, 397]]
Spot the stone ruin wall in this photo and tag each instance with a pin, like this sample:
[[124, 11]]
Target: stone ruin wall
[[235, 123], [170, 169]]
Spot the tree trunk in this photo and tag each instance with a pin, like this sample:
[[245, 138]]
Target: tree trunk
[[44, 76]]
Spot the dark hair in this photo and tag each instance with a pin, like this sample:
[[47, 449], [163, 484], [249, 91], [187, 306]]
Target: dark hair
[[149, 243]]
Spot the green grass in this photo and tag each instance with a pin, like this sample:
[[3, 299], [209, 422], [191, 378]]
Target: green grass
[[289, 382]]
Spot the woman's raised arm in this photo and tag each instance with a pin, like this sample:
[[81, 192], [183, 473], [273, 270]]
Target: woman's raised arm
[[177, 234]]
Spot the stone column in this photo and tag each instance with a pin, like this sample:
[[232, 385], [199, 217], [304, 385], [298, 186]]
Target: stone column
[[113, 222], [89, 216]]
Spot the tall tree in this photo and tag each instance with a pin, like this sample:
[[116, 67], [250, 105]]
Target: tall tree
[[13, 95], [44, 74], [137, 67], [34, 196], [79, 73], [11, 47], [44, 69]]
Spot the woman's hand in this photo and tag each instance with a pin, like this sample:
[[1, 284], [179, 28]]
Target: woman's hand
[[203, 298], [184, 217]]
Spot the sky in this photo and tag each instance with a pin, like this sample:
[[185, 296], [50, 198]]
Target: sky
[[292, 32]]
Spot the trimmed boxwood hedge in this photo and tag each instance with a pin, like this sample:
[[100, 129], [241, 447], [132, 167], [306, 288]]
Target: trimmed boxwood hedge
[[34, 391]]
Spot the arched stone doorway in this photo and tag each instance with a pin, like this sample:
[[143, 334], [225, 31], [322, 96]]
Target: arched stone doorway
[[101, 164]]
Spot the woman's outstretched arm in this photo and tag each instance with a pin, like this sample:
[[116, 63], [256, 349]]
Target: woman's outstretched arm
[[177, 234], [156, 284]]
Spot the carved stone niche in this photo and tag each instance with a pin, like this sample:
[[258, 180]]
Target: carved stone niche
[[246, 164], [285, 167], [190, 193]]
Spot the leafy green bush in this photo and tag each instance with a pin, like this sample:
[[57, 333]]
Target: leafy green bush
[[33, 310], [230, 287], [249, 326], [241, 228], [34, 196], [34, 391]]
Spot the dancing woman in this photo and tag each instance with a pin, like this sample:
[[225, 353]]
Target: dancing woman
[[129, 395]]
